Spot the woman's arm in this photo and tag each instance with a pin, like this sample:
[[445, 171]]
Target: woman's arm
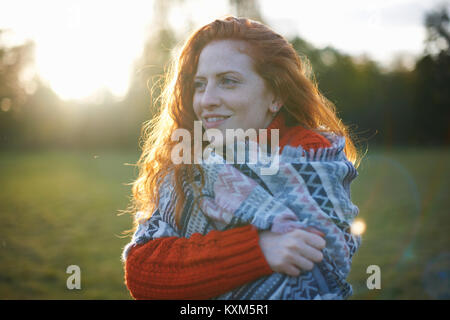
[[199, 267]]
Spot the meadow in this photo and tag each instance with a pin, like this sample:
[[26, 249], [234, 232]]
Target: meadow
[[61, 208]]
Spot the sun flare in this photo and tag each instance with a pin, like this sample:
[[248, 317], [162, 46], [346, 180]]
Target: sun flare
[[84, 46], [358, 227]]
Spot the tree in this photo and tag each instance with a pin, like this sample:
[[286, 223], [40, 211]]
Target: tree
[[438, 30], [431, 79], [15, 61]]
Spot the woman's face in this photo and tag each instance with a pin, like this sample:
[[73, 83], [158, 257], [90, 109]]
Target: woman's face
[[229, 94]]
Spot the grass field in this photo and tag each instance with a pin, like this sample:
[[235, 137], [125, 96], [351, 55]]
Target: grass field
[[60, 208]]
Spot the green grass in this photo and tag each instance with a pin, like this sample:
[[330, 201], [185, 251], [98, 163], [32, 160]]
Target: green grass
[[403, 199], [60, 208]]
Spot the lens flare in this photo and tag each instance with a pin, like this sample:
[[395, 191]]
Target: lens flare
[[358, 227]]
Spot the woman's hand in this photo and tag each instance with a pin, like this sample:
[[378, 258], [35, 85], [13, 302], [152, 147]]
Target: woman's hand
[[292, 252]]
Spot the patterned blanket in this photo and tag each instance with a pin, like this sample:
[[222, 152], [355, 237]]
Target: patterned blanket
[[310, 189]]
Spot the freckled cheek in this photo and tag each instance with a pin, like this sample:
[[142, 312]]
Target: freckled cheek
[[240, 104], [245, 115]]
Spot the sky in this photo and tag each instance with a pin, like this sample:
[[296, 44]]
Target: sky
[[82, 46], [380, 28]]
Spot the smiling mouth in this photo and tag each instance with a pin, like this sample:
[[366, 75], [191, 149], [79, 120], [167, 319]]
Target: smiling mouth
[[211, 122], [215, 119]]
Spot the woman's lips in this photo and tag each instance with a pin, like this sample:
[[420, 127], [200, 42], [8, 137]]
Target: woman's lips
[[215, 123]]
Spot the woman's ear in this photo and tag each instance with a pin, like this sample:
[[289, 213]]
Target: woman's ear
[[276, 105]]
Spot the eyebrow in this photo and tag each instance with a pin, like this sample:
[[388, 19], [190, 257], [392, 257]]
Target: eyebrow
[[222, 73]]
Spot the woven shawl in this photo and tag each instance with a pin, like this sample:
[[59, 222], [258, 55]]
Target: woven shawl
[[310, 189]]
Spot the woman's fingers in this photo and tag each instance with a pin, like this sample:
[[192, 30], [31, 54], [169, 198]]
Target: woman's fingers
[[311, 239], [310, 253], [315, 231], [292, 270], [316, 241], [302, 262], [292, 252]]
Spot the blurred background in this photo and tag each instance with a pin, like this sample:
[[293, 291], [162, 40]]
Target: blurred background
[[79, 78]]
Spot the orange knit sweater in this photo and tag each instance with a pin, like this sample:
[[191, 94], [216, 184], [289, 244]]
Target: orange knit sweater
[[205, 266]]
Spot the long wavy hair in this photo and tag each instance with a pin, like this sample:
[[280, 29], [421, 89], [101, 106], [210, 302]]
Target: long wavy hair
[[275, 60]]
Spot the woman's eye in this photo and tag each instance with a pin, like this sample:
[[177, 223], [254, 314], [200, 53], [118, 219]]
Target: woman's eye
[[198, 85], [228, 81]]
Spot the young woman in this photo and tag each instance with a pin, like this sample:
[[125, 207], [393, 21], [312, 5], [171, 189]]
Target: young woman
[[226, 231]]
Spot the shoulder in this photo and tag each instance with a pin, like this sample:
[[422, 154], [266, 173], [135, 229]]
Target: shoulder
[[300, 136]]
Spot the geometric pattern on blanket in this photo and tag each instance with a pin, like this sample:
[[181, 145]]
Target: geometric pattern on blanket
[[310, 189]]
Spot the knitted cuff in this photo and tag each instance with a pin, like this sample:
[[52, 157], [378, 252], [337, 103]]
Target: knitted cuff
[[243, 259]]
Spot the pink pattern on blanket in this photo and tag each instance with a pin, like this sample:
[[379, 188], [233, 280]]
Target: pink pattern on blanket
[[232, 188], [214, 211]]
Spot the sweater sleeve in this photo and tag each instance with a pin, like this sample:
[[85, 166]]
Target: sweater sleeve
[[199, 267]]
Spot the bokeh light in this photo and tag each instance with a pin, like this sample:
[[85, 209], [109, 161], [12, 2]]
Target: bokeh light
[[358, 227]]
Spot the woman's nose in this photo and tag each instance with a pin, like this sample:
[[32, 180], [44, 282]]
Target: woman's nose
[[210, 97]]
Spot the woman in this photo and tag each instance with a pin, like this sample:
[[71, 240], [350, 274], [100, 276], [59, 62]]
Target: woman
[[194, 240]]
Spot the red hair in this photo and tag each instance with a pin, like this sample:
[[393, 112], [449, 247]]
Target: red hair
[[275, 60]]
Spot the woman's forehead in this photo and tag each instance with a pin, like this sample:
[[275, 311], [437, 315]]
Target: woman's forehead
[[222, 56]]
